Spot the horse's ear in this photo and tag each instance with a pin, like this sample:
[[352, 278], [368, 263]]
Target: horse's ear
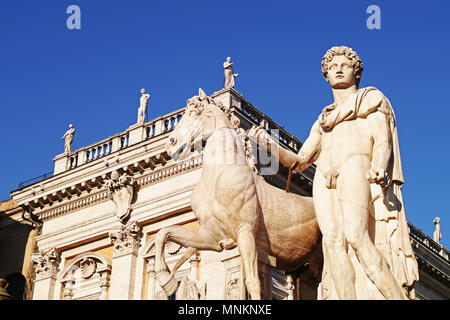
[[202, 94]]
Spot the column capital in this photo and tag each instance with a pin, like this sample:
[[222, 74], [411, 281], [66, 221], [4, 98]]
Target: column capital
[[45, 263], [126, 239]]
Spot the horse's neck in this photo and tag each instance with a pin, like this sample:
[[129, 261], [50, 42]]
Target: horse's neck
[[224, 148]]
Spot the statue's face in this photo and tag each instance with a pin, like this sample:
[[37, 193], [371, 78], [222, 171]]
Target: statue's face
[[340, 72]]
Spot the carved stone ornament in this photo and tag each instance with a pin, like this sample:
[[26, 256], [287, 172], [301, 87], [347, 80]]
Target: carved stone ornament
[[190, 290], [172, 248], [88, 267], [45, 263], [121, 191], [126, 239], [232, 289]]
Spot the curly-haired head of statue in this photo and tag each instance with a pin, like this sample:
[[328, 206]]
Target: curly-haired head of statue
[[346, 52]]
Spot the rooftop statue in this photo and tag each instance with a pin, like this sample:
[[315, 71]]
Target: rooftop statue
[[229, 75], [437, 235], [357, 187], [68, 139], [143, 102], [234, 205]]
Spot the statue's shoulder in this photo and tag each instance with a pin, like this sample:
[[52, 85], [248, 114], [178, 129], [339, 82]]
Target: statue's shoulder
[[371, 100], [371, 94]]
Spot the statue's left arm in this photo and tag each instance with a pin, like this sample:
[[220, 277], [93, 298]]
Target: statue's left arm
[[378, 122]]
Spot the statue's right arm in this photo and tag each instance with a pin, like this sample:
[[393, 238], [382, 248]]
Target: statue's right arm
[[306, 156], [310, 150]]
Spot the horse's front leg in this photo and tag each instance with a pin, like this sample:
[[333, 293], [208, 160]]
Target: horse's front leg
[[193, 239], [247, 249]]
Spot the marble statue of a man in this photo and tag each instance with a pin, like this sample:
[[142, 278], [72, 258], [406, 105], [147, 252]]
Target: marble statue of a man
[[68, 139], [229, 75], [357, 187], [143, 102], [437, 235]]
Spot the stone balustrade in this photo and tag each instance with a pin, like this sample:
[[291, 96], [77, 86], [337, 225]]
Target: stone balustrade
[[259, 118], [162, 124], [429, 243], [98, 150], [120, 141]]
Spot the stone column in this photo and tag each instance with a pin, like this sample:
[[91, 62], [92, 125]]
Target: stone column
[[151, 281], [45, 264], [104, 284], [126, 245]]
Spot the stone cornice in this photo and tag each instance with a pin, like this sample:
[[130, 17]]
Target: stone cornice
[[433, 271], [87, 199]]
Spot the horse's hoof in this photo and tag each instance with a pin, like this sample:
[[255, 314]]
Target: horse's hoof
[[168, 284], [227, 244]]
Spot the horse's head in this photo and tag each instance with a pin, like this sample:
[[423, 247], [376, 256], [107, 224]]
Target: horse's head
[[202, 116]]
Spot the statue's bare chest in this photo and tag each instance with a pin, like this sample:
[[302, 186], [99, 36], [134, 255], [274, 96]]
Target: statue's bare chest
[[346, 139]]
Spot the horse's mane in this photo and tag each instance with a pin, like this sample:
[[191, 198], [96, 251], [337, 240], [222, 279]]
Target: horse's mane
[[201, 101]]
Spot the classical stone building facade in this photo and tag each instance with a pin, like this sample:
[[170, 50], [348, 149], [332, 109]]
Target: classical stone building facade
[[86, 230]]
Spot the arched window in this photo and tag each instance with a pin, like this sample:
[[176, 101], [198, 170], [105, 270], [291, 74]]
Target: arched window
[[86, 277]]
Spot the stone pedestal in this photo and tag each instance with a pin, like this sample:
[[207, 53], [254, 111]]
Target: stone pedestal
[[229, 97], [136, 133], [60, 163], [234, 281]]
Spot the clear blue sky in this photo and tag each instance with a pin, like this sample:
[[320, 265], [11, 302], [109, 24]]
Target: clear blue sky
[[51, 76]]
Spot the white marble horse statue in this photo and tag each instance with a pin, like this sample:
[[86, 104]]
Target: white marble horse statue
[[234, 205]]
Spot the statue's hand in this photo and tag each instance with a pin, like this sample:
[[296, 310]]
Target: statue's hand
[[259, 135], [378, 176]]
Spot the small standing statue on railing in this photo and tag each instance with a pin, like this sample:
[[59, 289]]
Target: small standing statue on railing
[[437, 235], [229, 75], [143, 102], [68, 137]]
